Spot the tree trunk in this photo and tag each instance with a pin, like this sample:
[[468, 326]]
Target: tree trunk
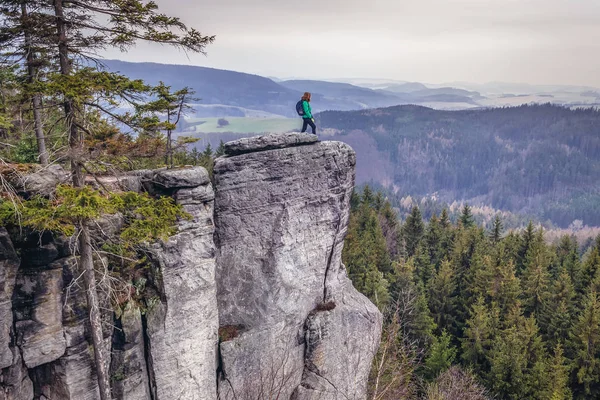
[[86, 263], [37, 101]]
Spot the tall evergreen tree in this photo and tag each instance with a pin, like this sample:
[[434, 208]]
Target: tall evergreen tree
[[585, 344], [441, 355], [433, 240], [497, 228], [536, 278], [527, 239], [557, 387], [442, 292], [365, 255], [478, 337], [590, 269], [556, 320], [466, 217], [413, 231]]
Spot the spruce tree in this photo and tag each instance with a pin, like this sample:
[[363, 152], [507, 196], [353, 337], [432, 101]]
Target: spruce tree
[[497, 227], [518, 360], [441, 356], [441, 297], [585, 345], [413, 231], [557, 387], [527, 239], [590, 269], [365, 255], [478, 337], [433, 241], [536, 278], [445, 219], [568, 260], [556, 320], [466, 217]]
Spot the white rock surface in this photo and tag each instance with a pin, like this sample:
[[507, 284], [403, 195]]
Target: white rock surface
[[182, 327], [281, 216]]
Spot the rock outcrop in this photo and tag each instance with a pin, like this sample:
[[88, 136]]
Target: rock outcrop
[[182, 326], [281, 217], [249, 300]]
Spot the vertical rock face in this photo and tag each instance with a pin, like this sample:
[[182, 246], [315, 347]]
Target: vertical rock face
[[282, 208], [182, 326], [9, 264], [128, 362], [268, 280]]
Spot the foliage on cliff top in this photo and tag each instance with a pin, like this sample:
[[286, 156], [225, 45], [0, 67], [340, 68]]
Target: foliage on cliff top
[[147, 219]]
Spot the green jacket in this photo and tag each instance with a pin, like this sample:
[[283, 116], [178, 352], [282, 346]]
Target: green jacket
[[307, 110]]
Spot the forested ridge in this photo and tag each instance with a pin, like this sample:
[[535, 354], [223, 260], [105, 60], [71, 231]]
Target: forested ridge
[[477, 308], [541, 160]]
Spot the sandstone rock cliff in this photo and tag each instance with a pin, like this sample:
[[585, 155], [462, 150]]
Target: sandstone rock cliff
[[282, 209], [271, 282]]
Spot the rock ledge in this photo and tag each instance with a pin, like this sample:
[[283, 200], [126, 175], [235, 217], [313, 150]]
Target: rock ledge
[[268, 142]]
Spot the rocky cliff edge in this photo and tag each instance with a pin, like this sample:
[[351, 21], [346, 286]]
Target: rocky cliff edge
[[251, 300]]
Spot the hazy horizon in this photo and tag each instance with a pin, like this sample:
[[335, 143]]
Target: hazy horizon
[[552, 42]]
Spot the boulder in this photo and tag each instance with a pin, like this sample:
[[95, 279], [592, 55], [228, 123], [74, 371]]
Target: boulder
[[179, 178], [42, 182]]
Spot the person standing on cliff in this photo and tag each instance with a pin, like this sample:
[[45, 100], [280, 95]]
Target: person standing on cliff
[[304, 110]]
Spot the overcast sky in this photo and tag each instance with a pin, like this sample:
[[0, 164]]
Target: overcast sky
[[533, 41]]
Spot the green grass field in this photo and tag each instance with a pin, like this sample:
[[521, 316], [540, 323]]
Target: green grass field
[[243, 125]]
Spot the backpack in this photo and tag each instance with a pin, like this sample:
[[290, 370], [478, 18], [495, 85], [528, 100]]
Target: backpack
[[300, 108]]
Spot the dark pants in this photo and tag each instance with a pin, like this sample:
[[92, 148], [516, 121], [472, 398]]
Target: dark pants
[[306, 122]]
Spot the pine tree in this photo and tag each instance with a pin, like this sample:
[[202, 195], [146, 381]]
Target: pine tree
[[18, 36], [536, 278], [367, 196], [466, 217], [585, 344], [496, 233], [433, 241], [413, 231], [518, 361], [590, 270], [445, 219], [173, 105], [221, 152], [558, 377], [365, 255], [441, 356], [442, 301], [568, 260], [424, 269], [527, 238], [557, 317], [478, 336]]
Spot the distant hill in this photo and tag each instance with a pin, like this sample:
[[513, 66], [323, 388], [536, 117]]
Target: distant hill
[[215, 86], [541, 160], [230, 93], [354, 97]]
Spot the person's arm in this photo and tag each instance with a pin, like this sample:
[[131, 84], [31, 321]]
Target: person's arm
[[306, 108]]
